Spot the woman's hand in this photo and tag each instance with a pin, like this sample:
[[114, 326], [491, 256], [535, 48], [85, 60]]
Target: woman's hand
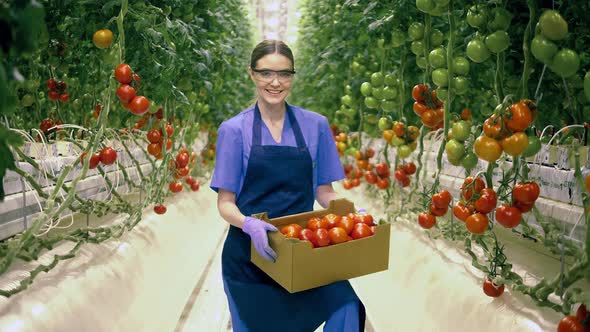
[[257, 229]]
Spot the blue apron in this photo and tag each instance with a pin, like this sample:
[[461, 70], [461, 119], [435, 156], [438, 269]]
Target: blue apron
[[278, 181]]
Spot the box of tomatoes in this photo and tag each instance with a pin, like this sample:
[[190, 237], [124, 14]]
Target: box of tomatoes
[[320, 247]]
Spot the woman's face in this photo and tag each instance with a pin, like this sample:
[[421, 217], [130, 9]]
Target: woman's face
[[273, 78]]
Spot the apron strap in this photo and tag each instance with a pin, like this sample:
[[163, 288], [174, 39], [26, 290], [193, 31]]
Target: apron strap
[[257, 128]]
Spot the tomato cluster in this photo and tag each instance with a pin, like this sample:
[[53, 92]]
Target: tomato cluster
[[418, 38], [504, 131], [475, 204], [458, 153], [57, 90], [381, 91], [553, 27], [332, 229], [402, 173], [106, 156], [439, 206], [365, 168], [492, 26], [524, 195], [341, 139], [397, 134], [380, 177], [578, 323], [127, 91], [48, 123], [428, 107]]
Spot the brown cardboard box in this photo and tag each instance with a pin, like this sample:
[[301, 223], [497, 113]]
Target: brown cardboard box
[[299, 267]]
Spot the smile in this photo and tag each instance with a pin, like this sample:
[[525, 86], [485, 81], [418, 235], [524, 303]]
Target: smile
[[274, 92]]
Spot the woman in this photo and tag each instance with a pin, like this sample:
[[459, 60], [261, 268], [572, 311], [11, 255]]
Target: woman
[[276, 158]]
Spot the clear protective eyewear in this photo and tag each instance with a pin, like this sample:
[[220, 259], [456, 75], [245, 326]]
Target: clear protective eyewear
[[267, 75]]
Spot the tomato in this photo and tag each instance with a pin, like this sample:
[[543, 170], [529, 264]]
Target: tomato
[[498, 41], [317, 223], [491, 289], [399, 129], [53, 95], [477, 16], [322, 237], [582, 313], [438, 58], [370, 177], [384, 123], [102, 38], [346, 223], [487, 148], [182, 159], [439, 212], [399, 174], [383, 183], [495, 127], [477, 223], [469, 161], [51, 84], [404, 151], [442, 199], [331, 220], [382, 170], [195, 186], [388, 135], [416, 30], [533, 146], [477, 51], [508, 216], [515, 144], [64, 97], [440, 77], [337, 235], [126, 93], [409, 168], [108, 155], [153, 136], [500, 19], [364, 218], [369, 152], [308, 235], [413, 133], [430, 118], [461, 211], [526, 192], [454, 149], [175, 186], [543, 49], [520, 117], [425, 5], [552, 25], [139, 105], [523, 207], [565, 63], [189, 180], [123, 73], [291, 231], [468, 187], [426, 220], [461, 130], [160, 209], [420, 92], [360, 230], [570, 324], [420, 108], [154, 149], [487, 201], [94, 161], [460, 66], [169, 145]]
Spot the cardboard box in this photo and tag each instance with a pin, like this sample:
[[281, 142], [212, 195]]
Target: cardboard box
[[299, 267]]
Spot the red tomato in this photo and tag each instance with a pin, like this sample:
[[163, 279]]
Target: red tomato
[[181, 172], [526, 192], [405, 182], [364, 218], [154, 149], [487, 201], [370, 177], [182, 160], [322, 238], [159, 114], [382, 170], [461, 211], [123, 73], [442, 199], [189, 180], [400, 175], [51, 83], [508, 216], [94, 160], [337, 235], [582, 313], [160, 209], [175, 186], [153, 136], [195, 186], [168, 144], [420, 92], [53, 95], [108, 155], [308, 235], [477, 223], [520, 117], [438, 212], [331, 220], [64, 97], [347, 184], [347, 224], [356, 182], [570, 324], [126, 93], [409, 168], [383, 183], [139, 105], [420, 108], [373, 229], [316, 223], [467, 189], [360, 231], [491, 289], [292, 231], [426, 220], [523, 207], [369, 152], [169, 130]]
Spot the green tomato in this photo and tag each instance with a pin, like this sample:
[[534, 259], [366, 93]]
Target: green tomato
[[425, 5], [416, 31], [348, 89], [380, 43], [417, 47], [391, 80], [32, 85], [454, 148], [377, 79], [27, 100], [349, 112], [500, 19], [587, 85], [533, 146], [460, 85], [438, 10], [371, 102], [552, 25], [389, 93], [477, 16], [441, 2], [346, 100], [421, 62], [565, 63], [192, 97], [461, 130], [436, 38], [388, 106], [469, 161], [460, 66], [397, 141], [385, 123], [366, 89], [438, 58], [398, 38], [454, 161], [378, 93], [440, 77], [371, 118], [442, 94], [477, 51], [76, 104], [404, 151], [543, 49], [498, 41]]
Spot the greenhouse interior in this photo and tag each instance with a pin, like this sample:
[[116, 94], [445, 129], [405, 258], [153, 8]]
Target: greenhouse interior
[[294, 165]]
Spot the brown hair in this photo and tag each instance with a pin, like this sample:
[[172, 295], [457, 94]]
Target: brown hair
[[270, 46]]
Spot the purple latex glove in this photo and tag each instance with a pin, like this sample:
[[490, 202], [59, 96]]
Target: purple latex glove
[[257, 229], [361, 210]]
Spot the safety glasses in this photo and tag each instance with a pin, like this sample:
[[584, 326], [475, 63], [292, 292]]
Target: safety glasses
[[267, 75]]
